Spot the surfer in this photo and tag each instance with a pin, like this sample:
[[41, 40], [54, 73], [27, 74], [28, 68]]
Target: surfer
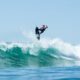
[[39, 31]]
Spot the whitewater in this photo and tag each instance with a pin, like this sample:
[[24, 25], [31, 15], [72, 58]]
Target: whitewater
[[39, 53]]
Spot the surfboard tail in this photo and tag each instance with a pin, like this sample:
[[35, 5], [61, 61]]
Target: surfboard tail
[[38, 36]]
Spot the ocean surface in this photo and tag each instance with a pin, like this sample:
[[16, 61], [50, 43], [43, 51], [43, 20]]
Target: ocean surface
[[47, 73], [39, 60]]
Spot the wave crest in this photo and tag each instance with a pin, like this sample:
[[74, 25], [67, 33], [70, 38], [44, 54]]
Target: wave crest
[[39, 53]]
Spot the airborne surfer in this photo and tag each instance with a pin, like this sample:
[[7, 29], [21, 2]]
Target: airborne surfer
[[39, 31]]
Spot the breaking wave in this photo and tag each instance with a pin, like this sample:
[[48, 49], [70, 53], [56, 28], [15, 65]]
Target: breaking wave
[[39, 54]]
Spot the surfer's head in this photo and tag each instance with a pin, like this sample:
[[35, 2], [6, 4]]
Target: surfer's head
[[44, 26]]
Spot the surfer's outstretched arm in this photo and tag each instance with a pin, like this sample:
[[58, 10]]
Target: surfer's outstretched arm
[[43, 28]]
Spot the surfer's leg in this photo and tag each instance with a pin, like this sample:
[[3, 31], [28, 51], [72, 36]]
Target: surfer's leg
[[41, 31]]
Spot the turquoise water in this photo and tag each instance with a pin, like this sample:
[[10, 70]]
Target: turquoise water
[[50, 60]]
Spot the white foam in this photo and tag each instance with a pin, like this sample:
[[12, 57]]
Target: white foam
[[67, 49]]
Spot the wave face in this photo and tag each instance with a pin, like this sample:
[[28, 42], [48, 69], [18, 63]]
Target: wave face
[[39, 54]]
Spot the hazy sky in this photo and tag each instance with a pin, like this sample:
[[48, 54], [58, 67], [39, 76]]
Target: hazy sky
[[61, 16]]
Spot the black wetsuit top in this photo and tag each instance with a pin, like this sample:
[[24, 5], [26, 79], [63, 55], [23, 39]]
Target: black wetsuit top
[[36, 30], [39, 31]]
